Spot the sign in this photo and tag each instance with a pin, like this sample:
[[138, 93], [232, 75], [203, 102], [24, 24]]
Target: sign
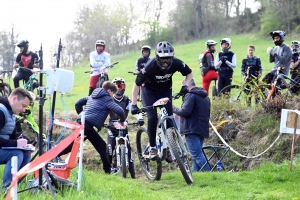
[[287, 121]]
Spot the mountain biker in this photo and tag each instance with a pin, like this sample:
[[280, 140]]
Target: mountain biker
[[207, 66], [295, 62], [225, 63], [157, 76], [25, 59], [281, 55], [255, 69], [141, 62], [125, 103], [195, 114], [27, 118], [97, 107], [98, 58]]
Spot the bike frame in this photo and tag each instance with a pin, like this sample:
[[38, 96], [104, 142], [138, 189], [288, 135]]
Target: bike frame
[[121, 139]]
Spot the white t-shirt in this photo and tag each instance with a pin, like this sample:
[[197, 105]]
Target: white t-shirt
[[99, 61]]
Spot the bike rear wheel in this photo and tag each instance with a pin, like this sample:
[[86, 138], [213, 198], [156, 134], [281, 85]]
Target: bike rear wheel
[[123, 161], [177, 147], [5, 89], [151, 168]]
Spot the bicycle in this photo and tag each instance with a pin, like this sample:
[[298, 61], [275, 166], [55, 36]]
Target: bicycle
[[103, 76], [32, 82], [120, 153], [165, 139], [243, 93], [5, 88], [292, 88]]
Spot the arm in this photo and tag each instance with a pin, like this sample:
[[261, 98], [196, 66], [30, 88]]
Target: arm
[[187, 79], [35, 57], [79, 104], [17, 62], [218, 62], [233, 63], [140, 79], [271, 58], [244, 68], [137, 116], [4, 142], [137, 70], [187, 106], [107, 60], [135, 92], [210, 62], [112, 106]]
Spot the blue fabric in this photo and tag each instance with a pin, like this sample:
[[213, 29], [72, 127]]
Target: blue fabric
[[5, 158], [10, 122], [97, 107], [195, 113], [194, 143]]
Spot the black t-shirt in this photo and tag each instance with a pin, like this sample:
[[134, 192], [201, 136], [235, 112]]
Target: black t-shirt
[[27, 60], [161, 80]]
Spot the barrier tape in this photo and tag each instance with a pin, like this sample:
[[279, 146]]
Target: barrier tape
[[43, 160], [237, 153]]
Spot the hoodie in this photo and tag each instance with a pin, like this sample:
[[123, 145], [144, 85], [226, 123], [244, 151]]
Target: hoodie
[[195, 113], [12, 141], [97, 107]]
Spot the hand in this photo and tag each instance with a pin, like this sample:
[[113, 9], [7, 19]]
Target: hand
[[141, 122], [21, 143], [134, 109], [183, 90], [270, 50], [245, 78], [223, 59]]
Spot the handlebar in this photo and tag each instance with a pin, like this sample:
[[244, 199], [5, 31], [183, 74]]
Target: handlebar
[[134, 73], [102, 68], [128, 124]]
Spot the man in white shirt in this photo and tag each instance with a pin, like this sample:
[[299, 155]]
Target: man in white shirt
[[98, 59]]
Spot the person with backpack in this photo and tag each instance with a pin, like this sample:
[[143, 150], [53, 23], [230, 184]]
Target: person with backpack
[[225, 63], [295, 62], [207, 66]]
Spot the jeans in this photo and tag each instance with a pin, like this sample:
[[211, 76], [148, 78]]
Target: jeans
[[5, 158], [22, 74], [194, 143]]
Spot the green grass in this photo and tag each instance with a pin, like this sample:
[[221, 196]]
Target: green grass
[[269, 181]]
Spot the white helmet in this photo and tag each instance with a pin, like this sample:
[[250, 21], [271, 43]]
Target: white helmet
[[227, 41], [100, 42], [209, 43], [297, 43]]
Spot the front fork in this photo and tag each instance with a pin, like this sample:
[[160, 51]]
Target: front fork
[[118, 154]]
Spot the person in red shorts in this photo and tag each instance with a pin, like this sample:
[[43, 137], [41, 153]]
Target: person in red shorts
[[207, 66]]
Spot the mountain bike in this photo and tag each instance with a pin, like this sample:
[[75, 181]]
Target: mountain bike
[[32, 82], [244, 93], [281, 87], [120, 153], [5, 88], [103, 75], [165, 139]]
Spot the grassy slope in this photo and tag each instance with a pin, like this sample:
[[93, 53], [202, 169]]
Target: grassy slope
[[268, 182], [188, 53]]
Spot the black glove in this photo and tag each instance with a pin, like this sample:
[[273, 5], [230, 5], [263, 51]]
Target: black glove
[[183, 90], [134, 109], [223, 59], [141, 122]]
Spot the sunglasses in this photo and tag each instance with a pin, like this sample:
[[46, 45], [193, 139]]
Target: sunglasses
[[166, 60], [121, 86]]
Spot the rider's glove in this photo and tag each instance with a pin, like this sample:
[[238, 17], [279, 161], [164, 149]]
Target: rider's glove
[[223, 59], [134, 109], [183, 90], [141, 122]]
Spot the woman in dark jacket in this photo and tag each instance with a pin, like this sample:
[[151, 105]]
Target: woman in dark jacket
[[195, 114]]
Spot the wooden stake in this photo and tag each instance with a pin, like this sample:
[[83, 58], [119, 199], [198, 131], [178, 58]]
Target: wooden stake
[[293, 142]]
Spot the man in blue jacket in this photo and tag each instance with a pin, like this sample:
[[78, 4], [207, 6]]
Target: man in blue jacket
[[194, 124], [97, 107]]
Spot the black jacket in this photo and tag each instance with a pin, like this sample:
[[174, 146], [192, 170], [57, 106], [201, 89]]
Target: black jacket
[[195, 113]]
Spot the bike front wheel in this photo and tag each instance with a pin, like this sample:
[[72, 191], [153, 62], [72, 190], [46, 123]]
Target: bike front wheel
[[151, 168], [178, 149], [123, 161]]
